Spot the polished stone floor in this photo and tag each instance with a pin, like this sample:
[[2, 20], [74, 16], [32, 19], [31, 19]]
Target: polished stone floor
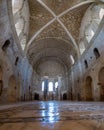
[[52, 115]]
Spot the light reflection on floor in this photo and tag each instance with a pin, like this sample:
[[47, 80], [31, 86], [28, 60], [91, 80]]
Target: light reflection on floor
[[53, 115]]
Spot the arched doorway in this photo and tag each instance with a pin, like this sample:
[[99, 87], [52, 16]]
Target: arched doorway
[[88, 89], [101, 83], [64, 96], [12, 89], [1, 81], [36, 96]]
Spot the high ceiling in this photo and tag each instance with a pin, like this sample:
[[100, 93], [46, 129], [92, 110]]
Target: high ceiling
[[54, 16], [54, 30]]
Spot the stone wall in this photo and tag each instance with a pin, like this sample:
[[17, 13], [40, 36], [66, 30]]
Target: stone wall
[[79, 72], [12, 60]]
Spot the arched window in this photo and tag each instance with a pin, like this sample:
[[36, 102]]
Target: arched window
[[96, 52], [90, 23], [43, 86], [50, 87], [5, 45], [86, 64], [95, 14], [56, 85]]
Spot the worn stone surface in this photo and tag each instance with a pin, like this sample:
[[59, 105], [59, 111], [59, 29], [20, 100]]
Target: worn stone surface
[[52, 50], [53, 115]]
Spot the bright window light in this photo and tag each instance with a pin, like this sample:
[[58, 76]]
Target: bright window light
[[101, 13], [56, 85], [50, 87], [43, 86]]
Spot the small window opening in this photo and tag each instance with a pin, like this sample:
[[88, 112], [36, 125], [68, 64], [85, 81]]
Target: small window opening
[[50, 87], [43, 86], [56, 85], [6, 44], [16, 61], [96, 52], [86, 64]]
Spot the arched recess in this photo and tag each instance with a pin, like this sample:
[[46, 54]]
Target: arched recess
[[1, 80], [101, 83], [36, 96], [12, 89], [88, 89], [64, 96]]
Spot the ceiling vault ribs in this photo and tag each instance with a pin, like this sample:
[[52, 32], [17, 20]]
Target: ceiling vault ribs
[[74, 7], [63, 26], [57, 18], [38, 32]]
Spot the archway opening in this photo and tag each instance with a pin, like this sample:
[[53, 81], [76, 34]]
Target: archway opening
[[88, 89], [64, 96], [36, 96], [12, 89], [101, 82]]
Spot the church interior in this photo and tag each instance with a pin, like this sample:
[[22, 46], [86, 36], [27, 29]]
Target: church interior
[[51, 64]]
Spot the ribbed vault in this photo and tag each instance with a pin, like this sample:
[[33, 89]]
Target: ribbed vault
[[54, 31]]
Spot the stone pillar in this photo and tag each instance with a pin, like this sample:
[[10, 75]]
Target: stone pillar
[[59, 88], [45, 88], [3, 97]]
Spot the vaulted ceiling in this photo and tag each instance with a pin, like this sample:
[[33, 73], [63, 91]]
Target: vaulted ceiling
[[54, 29]]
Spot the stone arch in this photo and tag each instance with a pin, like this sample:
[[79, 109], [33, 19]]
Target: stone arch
[[101, 83], [12, 89], [1, 80], [88, 89]]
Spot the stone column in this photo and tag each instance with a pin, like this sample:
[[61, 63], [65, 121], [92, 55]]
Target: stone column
[[45, 88], [59, 88]]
